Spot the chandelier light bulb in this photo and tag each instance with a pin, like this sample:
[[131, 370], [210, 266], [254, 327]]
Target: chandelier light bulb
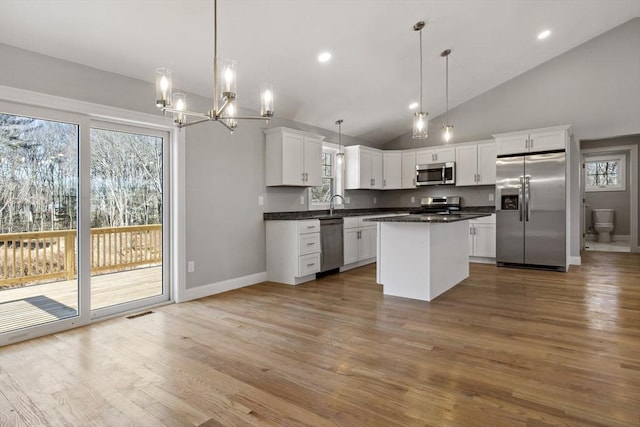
[[163, 87]]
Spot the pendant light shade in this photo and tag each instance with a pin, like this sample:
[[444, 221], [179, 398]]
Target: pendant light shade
[[340, 153], [447, 129], [420, 119]]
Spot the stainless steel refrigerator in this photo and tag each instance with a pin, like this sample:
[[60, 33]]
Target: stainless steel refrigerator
[[531, 210]]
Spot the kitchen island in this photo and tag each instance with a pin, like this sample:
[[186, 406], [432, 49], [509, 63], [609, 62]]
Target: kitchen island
[[422, 256]]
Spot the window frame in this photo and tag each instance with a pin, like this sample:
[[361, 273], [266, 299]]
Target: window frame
[[332, 149], [621, 158]]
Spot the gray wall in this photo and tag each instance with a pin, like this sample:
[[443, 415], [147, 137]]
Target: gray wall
[[595, 87], [617, 200], [224, 173]]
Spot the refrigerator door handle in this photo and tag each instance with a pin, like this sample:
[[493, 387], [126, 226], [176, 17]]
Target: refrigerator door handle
[[527, 198], [520, 198]]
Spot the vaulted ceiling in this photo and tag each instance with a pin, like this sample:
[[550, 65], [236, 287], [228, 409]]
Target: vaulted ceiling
[[374, 72]]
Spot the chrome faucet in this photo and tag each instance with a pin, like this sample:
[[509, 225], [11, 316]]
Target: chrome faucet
[[331, 204]]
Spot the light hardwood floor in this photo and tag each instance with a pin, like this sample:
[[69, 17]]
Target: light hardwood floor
[[506, 347]]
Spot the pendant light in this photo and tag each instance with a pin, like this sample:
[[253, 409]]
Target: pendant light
[[224, 88], [420, 119], [447, 129], [340, 154]]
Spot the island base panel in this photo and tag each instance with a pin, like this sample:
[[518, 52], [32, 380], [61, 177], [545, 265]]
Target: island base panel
[[421, 261]]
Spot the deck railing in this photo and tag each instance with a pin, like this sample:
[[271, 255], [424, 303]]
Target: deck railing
[[47, 255]]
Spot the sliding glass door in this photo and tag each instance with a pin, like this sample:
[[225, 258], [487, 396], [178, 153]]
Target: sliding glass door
[[38, 221], [83, 208], [127, 217]]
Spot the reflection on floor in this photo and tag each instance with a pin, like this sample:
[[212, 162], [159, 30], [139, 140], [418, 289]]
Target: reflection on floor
[[619, 246]]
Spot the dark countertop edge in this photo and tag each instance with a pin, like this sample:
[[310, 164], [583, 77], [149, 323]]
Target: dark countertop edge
[[340, 213], [429, 218]]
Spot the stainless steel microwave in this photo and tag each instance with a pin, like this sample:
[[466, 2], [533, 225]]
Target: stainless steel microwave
[[436, 173]]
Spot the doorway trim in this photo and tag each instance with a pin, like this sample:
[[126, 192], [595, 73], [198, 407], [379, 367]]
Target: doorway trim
[[633, 189]]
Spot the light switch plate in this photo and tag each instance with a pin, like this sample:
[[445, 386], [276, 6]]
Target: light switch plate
[[413, 199], [491, 197], [261, 200], [347, 200], [302, 200], [374, 201], [191, 266]]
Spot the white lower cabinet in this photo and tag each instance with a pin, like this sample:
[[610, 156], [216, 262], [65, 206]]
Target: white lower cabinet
[[359, 240], [293, 251], [482, 238]]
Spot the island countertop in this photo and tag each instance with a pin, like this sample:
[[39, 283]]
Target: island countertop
[[429, 218]]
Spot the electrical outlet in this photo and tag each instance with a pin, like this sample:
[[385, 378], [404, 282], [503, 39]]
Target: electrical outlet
[[491, 197], [347, 200], [191, 266], [374, 201], [413, 199], [302, 200], [260, 201]]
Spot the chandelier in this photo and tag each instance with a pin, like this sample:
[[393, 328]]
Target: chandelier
[[447, 129], [420, 119], [224, 89]]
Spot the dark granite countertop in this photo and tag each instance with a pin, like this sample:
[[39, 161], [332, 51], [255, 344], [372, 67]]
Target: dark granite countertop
[[341, 213], [430, 218]]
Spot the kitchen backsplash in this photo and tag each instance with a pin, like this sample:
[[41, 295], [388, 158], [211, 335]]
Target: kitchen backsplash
[[287, 199]]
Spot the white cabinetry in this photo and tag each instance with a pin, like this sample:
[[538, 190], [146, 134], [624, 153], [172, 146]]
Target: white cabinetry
[[435, 155], [293, 251], [476, 163], [531, 141], [293, 158], [392, 170], [363, 167], [482, 239], [408, 169], [359, 240]]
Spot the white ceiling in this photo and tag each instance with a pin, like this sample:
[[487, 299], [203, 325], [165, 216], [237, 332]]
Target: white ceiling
[[374, 73]]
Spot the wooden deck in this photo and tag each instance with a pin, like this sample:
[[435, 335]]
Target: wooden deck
[[38, 304]]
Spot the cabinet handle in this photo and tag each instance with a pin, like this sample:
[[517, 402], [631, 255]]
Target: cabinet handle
[[414, 182], [311, 265], [311, 226], [310, 244], [302, 176], [531, 143], [384, 182]]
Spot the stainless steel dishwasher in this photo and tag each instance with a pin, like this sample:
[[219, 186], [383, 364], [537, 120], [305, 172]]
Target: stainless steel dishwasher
[[331, 232]]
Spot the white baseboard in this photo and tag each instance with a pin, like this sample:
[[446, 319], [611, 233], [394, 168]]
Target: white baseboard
[[224, 286], [482, 260], [621, 238], [575, 260], [357, 264]]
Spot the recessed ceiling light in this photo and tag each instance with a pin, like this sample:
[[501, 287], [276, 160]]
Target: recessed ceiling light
[[413, 105], [543, 35], [324, 57]]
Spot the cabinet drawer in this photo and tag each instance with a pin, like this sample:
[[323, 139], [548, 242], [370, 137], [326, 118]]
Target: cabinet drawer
[[308, 264], [309, 243], [351, 222], [310, 226]]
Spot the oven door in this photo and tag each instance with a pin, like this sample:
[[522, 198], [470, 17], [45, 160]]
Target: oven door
[[431, 174]]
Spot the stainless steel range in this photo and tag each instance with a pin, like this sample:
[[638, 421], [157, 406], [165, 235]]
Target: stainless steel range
[[441, 204]]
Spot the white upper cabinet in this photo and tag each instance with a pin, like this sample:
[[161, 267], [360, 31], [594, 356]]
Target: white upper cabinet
[[532, 141], [392, 170], [363, 168], [408, 169], [293, 158], [435, 155], [476, 163]]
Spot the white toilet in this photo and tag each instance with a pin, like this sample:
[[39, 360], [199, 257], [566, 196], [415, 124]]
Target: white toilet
[[603, 223]]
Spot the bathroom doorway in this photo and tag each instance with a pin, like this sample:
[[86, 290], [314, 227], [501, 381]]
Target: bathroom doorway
[[609, 189]]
